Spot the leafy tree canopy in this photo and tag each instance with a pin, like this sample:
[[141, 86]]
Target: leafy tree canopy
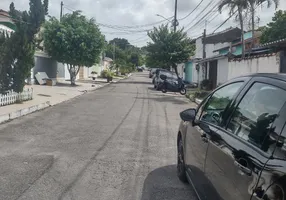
[[276, 29], [74, 40], [17, 51], [122, 43], [168, 48]]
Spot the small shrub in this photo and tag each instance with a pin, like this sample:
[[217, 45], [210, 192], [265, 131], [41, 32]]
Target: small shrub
[[104, 73], [206, 84]]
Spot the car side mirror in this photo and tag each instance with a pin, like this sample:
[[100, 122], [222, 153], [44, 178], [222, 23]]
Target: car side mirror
[[188, 115]]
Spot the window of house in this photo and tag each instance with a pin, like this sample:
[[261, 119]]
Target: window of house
[[253, 118], [213, 108]]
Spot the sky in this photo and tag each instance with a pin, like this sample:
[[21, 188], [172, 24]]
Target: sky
[[131, 19]]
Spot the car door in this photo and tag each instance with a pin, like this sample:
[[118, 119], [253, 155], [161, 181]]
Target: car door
[[240, 148], [196, 141]]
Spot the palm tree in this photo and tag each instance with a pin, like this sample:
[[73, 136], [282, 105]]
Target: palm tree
[[253, 4], [236, 6]]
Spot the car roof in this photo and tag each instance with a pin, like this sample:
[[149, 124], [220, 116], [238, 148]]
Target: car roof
[[279, 76]]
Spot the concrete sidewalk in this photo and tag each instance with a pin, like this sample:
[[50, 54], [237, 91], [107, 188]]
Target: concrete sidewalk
[[45, 96]]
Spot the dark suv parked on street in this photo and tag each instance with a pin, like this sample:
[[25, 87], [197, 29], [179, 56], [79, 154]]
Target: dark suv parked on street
[[233, 145]]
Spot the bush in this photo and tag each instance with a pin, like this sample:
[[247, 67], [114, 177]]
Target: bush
[[206, 84], [104, 74]]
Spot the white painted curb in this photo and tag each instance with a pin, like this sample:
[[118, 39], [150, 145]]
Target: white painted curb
[[24, 111]]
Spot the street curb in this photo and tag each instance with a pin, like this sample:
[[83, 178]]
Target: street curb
[[23, 112], [198, 101]]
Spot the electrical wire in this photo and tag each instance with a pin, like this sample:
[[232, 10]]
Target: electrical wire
[[202, 18], [192, 11], [124, 26], [208, 21], [224, 22]]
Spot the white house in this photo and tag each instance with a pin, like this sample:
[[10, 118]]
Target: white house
[[214, 65]]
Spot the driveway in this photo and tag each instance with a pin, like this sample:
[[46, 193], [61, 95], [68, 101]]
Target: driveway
[[118, 142]]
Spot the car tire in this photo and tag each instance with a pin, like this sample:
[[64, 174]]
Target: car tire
[[181, 169]]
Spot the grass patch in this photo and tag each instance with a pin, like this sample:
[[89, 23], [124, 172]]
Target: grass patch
[[200, 94]]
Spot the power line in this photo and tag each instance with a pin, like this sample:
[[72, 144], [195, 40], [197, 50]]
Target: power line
[[208, 20], [192, 10], [201, 19], [231, 17], [224, 22], [140, 38], [127, 27]]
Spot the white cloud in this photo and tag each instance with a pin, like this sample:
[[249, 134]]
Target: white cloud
[[138, 12]]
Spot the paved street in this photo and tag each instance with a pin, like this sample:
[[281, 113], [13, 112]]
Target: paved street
[[118, 142]]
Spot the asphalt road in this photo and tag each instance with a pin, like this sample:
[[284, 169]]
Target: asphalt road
[[118, 142]]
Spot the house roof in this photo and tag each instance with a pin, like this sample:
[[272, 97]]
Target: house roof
[[227, 35], [215, 57], [6, 20], [107, 59], [281, 42]]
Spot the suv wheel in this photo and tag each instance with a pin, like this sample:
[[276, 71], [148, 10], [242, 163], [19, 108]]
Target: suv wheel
[[181, 170]]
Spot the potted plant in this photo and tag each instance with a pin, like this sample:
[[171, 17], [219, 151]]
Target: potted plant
[[94, 75]]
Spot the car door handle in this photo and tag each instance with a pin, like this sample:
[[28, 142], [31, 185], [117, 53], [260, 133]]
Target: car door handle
[[244, 169]]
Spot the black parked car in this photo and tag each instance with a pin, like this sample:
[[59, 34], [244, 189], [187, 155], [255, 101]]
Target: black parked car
[[233, 146], [152, 72]]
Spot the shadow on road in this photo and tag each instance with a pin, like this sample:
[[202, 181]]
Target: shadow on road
[[133, 82], [171, 99], [163, 183]]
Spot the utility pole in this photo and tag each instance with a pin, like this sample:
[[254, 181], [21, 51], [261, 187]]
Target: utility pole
[[204, 53], [113, 51], [61, 15], [175, 16]]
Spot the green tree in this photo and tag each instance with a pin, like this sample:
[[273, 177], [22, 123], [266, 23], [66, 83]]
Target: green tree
[[168, 48], [17, 51], [122, 43], [236, 6], [276, 29], [75, 41]]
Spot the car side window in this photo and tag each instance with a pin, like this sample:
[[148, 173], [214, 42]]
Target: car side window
[[253, 118], [215, 105], [280, 147]]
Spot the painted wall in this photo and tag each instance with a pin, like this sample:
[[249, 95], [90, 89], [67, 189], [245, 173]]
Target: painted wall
[[180, 68], [61, 71], [209, 48], [237, 50], [43, 64], [222, 70], [189, 71], [247, 35], [258, 65]]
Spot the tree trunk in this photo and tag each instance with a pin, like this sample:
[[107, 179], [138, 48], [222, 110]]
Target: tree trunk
[[73, 72], [242, 32], [176, 69]]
